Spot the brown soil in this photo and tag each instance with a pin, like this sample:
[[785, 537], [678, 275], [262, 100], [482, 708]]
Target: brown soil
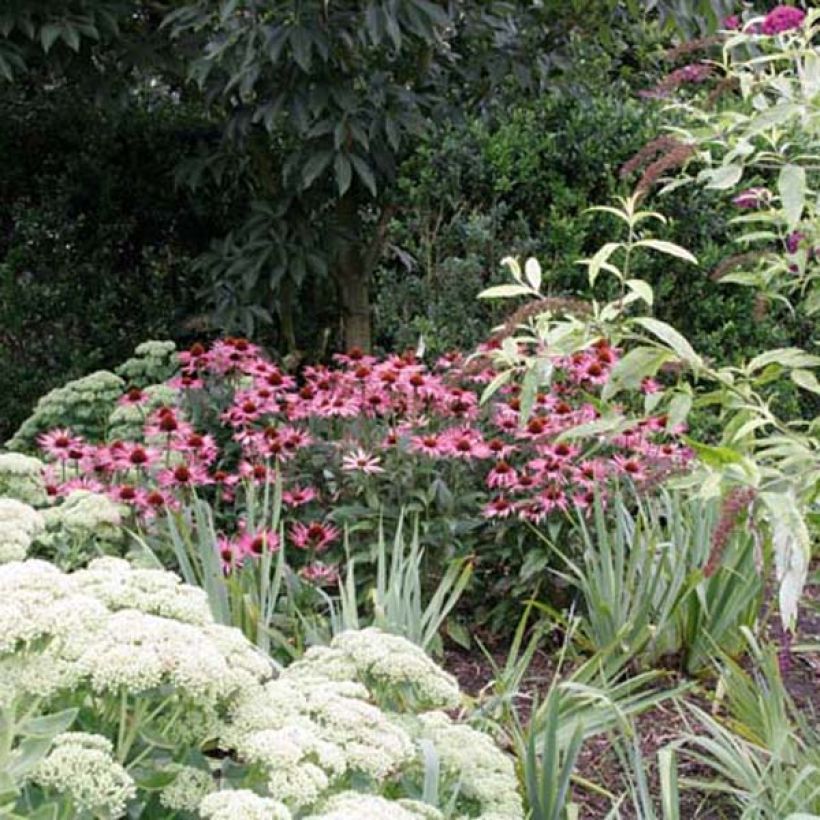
[[655, 728]]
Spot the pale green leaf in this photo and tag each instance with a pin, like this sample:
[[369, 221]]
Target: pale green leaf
[[670, 337], [505, 292], [791, 185], [669, 248]]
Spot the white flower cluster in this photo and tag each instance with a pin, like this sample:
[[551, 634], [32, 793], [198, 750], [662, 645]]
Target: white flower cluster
[[386, 664], [83, 405], [483, 772], [21, 477], [84, 515], [153, 361], [70, 630], [81, 766], [241, 804], [344, 713], [19, 526], [188, 789], [356, 806]]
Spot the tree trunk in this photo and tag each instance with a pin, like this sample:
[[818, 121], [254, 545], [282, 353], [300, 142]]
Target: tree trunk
[[354, 288]]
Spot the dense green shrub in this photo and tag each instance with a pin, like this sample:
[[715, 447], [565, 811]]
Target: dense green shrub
[[96, 244], [521, 184]]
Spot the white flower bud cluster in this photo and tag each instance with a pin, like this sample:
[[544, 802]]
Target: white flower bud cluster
[[241, 804], [19, 526], [21, 477], [483, 772], [81, 767], [84, 515], [120, 586], [70, 630], [153, 361], [355, 806], [83, 405], [188, 789], [384, 663]]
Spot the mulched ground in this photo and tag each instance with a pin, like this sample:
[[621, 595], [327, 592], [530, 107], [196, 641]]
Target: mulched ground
[[655, 728]]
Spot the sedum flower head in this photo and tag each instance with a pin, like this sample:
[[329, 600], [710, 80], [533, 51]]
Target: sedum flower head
[[483, 772], [83, 405], [21, 477], [19, 526], [355, 806], [188, 789], [388, 665], [81, 767], [84, 514], [241, 804]]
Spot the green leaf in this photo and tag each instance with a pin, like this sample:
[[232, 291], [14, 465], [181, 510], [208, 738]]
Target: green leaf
[[48, 726], [669, 248], [791, 185], [599, 259], [300, 45], [727, 176], [505, 292], [713, 456], [643, 289], [314, 167], [48, 35], [785, 357], [807, 380], [364, 173], [671, 337], [630, 370], [343, 172]]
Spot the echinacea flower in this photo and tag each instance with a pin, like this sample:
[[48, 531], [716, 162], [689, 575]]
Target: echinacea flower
[[257, 544], [502, 475], [298, 496], [184, 475], [314, 536], [498, 507], [61, 444], [320, 574], [361, 462]]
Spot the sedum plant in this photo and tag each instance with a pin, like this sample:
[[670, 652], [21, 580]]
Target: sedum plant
[[167, 711]]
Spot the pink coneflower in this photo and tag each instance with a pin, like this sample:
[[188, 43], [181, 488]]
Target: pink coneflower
[[184, 475], [466, 443], [230, 556], [498, 507], [134, 456], [299, 496], [256, 472], [630, 467], [430, 444], [731, 23], [361, 462], [782, 18], [314, 536], [257, 544], [128, 494], [502, 475], [320, 574], [134, 397], [202, 447], [61, 444], [354, 357], [80, 483]]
